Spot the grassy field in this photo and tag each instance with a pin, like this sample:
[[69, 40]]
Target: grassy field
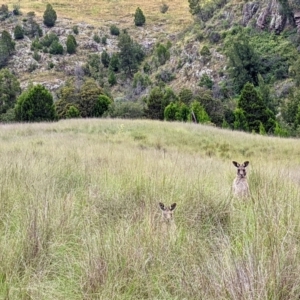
[[79, 214], [115, 11]]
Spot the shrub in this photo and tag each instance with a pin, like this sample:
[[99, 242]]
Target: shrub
[[102, 105], [49, 16], [126, 110], [112, 80], [35, 105], [16, 9], [163, 54], [198, 113], [97, 38], [104, 40], [18, 32], [36, 55], [72, 112], [75, 29], [56, 48], [105, 59], [114, 30], [139, 18], [164, 8], [48, 39], [114, 63], [71, 44]]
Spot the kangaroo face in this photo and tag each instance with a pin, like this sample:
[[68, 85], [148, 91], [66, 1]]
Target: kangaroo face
[[167, 211], [241, 169]]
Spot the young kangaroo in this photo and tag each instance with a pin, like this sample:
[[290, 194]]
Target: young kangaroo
[[240, 184], [168, 226]]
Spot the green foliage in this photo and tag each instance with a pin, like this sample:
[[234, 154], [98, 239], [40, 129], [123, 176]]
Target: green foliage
[[206, 81], [163, 54], [75, 29], [114, 30], [9, 90], [130, 55], [18, 32], [205, 51], [89, 96], [56, 48], [177, 111], [104, 40], [240, 121], [49, 16], [186, 95], [244, 62], [32, 28], [139, 18], [157, 101], [126, 110], [141, 81], [290, 108], [105, 59], [48, 39], [101, 105], [36, 55], [254, 110], [71, 44], [35, 105], [198, 113], [7, 41], [97, 38], [36, 45], [112, 80], [72, 112], [114, 63], [16, 9]]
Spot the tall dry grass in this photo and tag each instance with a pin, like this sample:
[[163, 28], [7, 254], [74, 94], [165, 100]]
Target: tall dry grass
[[79, 214]]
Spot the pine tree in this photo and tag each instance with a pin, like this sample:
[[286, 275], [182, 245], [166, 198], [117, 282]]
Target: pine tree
[[139, 18], [255, 110], [71, 44], [49, 16]]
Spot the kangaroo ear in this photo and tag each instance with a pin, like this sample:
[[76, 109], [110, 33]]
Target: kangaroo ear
[[173, 206], [162, 206], [246, 163], [236, 164]]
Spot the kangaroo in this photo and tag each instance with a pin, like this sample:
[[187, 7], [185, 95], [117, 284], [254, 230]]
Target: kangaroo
[[168, 225], [240, 185]]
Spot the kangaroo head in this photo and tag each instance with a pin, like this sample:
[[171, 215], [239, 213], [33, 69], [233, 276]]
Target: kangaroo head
[[241, 168], [167, 211]]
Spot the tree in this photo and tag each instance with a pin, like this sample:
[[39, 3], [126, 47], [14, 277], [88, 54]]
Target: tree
[[131, 54], [139, 18], [89, 95], [105, 59], [255, 110], [244, 62], [102, 105], [114, 63], [9, 90], [198, 113], [18, 32], [71, 44], [8, 42], [49, 16], [35, 105], [156, 104], [185, 95]]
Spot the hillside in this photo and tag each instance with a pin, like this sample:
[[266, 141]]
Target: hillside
[[205, 53], [83, 222]]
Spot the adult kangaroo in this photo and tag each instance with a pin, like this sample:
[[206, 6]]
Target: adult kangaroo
[[240, 185]]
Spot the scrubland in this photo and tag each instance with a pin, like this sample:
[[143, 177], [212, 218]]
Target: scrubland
[[79, 214]]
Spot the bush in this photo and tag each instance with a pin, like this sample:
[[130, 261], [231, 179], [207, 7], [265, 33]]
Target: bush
[[48, 39], [35, 105], [105, 59], [114, 30], [126, 110], [71, 44], [102, 105], [139, 18], [97, 38], [56, 48], [75, 29], [163, 54], [36, 55], [49, 16], [16, 9], [72, 112], [18, 32], [104, 40], [164, 8], [112, 80]]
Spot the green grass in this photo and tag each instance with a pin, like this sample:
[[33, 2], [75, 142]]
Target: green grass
[[79, 214]]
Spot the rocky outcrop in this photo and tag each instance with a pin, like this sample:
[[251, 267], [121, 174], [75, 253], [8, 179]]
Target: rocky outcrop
[[297, 20], [249, 10]]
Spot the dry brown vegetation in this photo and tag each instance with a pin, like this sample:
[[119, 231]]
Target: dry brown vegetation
[[116, 11]]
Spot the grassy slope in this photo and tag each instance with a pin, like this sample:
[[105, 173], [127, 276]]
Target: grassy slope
[[115, 11], [79, 216]]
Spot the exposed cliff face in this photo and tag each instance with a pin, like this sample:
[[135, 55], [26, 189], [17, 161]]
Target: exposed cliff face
[[269, 14]]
